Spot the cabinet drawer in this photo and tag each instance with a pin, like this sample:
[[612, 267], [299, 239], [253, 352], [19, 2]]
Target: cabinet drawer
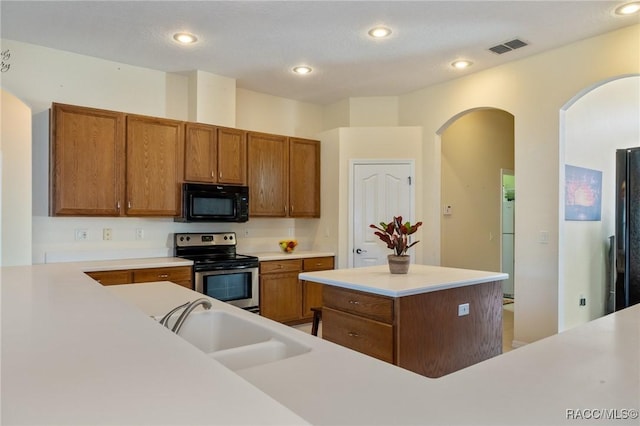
[[173, 274], [363, 335], [279, 266], [371, 306], [112, 277], [317, 264]]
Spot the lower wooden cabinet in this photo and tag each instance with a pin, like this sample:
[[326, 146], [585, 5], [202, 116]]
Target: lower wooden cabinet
[[177, 274], [361, 321], [283, 297], [421, 332]]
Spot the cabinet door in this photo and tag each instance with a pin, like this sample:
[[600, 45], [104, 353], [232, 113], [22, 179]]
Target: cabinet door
[[232, 156], [154, 166], [200, 153], [304, 178], [312, 292], [267, 174], [87, 153], [112, 277], [280, 296]]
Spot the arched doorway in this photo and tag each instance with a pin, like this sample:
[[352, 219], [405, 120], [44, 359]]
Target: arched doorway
[[596, 122]]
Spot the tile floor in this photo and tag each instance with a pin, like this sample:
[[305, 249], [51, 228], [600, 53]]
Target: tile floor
[[507, 327]]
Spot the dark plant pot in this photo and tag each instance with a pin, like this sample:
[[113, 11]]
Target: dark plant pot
[[398, 264]]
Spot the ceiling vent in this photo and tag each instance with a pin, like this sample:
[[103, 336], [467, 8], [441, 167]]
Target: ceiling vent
[[508, 46]]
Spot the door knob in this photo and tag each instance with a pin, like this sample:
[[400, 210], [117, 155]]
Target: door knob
[[360, 251]]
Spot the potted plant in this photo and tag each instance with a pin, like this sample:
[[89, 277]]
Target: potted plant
[[396, 235]]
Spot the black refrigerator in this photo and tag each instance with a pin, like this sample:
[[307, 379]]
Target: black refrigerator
[[627, 237]]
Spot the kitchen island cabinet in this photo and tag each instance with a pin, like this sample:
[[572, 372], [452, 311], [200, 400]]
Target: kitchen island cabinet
[[414, 320]]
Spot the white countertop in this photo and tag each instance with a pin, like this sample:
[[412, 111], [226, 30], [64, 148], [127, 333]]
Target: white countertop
[[280, 255], [115, 265], [420, 279], [74, 352]]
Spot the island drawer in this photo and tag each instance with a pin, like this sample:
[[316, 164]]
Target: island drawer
[[278, 266], [369, 337], [379, 308]]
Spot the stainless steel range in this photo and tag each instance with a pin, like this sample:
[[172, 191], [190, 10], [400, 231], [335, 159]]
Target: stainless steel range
[[220, 272]]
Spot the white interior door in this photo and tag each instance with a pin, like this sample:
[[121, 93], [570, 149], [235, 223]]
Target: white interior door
[[380, 192]]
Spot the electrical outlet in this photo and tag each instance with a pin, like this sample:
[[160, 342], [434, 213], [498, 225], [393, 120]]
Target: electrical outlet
[[463, 309], [107, 234], [139, 234], [81, 234]]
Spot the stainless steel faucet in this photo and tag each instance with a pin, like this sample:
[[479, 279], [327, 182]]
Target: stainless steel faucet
[[188, 308]]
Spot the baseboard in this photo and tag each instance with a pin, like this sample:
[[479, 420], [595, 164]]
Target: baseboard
[[517, 343]]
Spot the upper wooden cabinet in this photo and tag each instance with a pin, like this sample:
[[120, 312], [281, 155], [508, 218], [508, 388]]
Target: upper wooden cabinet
[[283, 176], [155, 149], [87, 167], [107, 163], [267, 174], [215, 154], [304, 178]]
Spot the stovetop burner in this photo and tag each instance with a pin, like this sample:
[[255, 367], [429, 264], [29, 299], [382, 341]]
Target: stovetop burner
[[215, 250]]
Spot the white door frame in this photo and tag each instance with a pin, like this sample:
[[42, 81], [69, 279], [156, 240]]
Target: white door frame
[[412, 195]]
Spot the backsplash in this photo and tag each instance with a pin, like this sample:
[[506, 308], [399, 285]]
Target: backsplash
[[54, 238]]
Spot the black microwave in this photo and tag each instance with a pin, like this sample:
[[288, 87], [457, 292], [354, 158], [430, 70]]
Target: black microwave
[[214, 203]]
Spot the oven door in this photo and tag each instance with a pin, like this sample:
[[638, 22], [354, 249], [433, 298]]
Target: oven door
[[238, 287]]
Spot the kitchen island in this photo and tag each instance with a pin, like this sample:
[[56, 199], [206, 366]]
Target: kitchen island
[[77, 353], [432, 321]]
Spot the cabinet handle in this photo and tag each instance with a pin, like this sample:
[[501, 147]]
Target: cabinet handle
[[285, 208], [354, 302], [163, 276], [212, 174], [291, 208], [129, 204], [118, 205], [352, 334], [220, 174]]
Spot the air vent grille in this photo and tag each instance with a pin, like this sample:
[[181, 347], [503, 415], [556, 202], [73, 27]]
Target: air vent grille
[[508, 46]]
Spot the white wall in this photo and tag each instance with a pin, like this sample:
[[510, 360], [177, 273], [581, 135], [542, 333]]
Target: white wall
[[15, 182], [596, 124], [40, 76], [346, 144], [533, 90]]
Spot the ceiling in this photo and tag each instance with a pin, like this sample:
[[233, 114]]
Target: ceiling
[[259, 42]]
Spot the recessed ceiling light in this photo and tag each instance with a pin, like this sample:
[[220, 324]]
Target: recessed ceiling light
[[302, 69], [185, 38], [628, 9], [461, 64], [379, 32]]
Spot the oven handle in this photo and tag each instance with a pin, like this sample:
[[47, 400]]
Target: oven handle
[[223, 268]]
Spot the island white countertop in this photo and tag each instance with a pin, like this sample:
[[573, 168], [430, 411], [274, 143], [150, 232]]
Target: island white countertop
[[74, 352], [420, 279]]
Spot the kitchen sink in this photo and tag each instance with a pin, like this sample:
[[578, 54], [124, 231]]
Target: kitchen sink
[[236, 342]]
